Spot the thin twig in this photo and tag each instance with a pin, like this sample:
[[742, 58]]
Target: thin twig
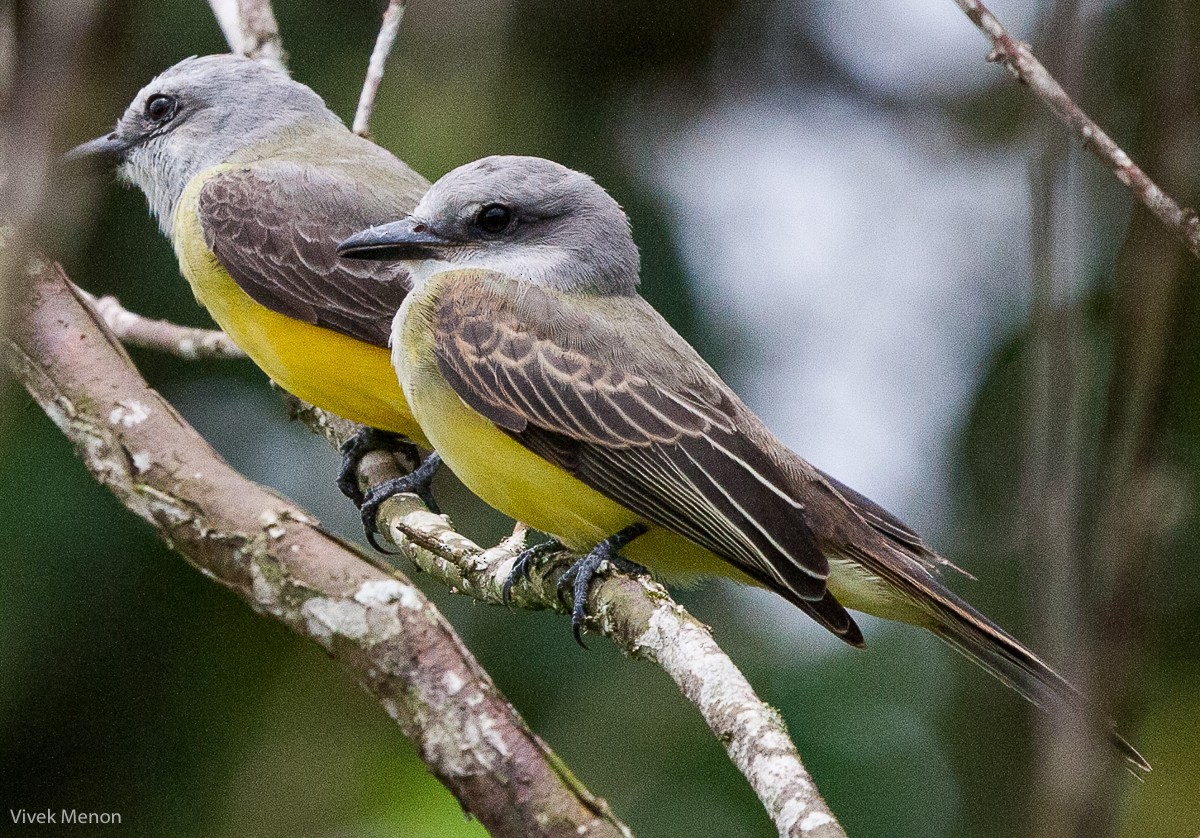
[[275, 556], [250, 28], [639, 616], [393, 16], [161, 335], [1020, 61]]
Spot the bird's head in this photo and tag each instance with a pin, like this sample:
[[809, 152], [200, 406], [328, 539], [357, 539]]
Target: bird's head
[[198, 113], [521, 216]]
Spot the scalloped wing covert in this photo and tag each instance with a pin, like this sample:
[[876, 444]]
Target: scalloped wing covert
[[634, 415]]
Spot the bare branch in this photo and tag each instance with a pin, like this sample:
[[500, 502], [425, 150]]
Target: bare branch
[[250, 28], [161, 335], [1017, 57], [393, 16], [275, 556], [641, 619]]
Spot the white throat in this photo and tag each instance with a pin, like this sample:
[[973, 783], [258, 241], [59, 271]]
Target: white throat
[[540, 264]]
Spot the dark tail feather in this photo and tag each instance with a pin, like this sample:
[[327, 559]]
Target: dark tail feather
[[994, 649], [829, 612]]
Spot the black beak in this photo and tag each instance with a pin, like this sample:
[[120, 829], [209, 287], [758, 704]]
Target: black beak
[[404, 239], [110, 148]]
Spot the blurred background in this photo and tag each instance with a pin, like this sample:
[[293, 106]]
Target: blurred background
[[886, 246]]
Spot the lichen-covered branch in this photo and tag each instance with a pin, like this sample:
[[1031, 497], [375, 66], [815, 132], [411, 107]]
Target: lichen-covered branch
[[639, 616], [161, 335], [1020, 61], [250, 28], [393, 16], [274, 555]]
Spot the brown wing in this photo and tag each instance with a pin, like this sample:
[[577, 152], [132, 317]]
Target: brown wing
[[625, 405], [274, 226]]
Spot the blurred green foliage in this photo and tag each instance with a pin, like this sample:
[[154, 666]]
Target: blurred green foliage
[[129, 683]]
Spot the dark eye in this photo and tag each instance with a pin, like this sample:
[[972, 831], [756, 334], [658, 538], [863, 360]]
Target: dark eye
[[160, 108], [494, 218]]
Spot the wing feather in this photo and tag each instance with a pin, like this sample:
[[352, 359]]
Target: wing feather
[[274, 226], [649, 426]]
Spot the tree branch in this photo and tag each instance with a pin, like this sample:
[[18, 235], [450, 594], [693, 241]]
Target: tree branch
[[393, 16], [276, 557], [161, 335], [1017, 57], [250, 28], [641, 619]]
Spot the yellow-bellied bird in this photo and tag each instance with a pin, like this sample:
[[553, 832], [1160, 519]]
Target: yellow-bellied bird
[[562, 398], [254, 180]]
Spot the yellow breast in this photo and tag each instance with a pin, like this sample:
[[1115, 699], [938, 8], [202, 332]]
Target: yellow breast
[[337, 373]]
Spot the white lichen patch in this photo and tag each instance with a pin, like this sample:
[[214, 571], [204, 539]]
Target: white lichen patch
[[814, 820], [142, 460], [463, 744], [272, 523], [411, 599], [501, 571], [789, 813], [453, 682], [383, 592], [326, 618], [129, 413], [492, 735], [779, 771]]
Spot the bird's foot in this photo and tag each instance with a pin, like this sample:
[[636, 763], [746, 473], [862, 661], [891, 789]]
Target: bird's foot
[[525, 562], [578, 578], [418, 483], [361, 444]]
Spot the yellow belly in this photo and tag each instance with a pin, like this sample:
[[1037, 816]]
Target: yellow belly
[[337, 373]]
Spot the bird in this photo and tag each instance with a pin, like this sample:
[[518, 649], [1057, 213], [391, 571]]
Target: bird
[[254, 181], [561, 397]]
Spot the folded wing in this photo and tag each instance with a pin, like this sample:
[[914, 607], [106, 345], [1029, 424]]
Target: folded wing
[[274, 226], [628, 408]]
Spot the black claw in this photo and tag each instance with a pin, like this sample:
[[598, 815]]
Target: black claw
[[417, 483], [526, 559], [578, 578], [358, 446]]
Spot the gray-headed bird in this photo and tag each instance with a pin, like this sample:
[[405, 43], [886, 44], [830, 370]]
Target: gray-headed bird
[[562, 398], [254, 180]]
